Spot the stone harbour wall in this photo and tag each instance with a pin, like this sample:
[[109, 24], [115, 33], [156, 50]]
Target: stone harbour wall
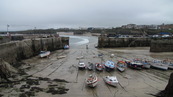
[[123, 42], [15, 51], [162, 45]]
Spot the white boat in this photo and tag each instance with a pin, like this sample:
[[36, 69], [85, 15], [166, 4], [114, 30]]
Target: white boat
[[159, 65], [121, 66], [111, 80], [146, 64], [44, 54], [92, 81], [81, 65], [169, 63]]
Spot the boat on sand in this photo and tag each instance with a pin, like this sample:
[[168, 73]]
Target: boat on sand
[[121, 66], [44, 54], [91, 81], [109, 65], [99, 67], [111, 80]]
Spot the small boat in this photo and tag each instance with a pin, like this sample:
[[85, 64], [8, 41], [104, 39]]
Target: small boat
[[44, 54], [100, 55], [99, 67], [128, 62], [81, 65], [109, 65], [81, 57], [92, 81], [111, 80], [159, 65], [146, 64], [66, 47], [90, 66], [136, 64], [121, 66], [60, 57], [169, 63]]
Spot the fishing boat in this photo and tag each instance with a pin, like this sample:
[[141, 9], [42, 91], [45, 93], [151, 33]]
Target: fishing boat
[[159, 65], [128, 62], [81, 65], [109, 65], [169, 63], [136, 64], [66, 47], [99, 67], [92, 81], [121, 66], [44, 54], [146, 64], [90, 66], [111, 80]]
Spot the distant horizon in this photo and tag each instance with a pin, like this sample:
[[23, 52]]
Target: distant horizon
[[80, 27]]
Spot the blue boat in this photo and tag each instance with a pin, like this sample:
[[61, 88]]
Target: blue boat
[[66, 47], [109, 65]]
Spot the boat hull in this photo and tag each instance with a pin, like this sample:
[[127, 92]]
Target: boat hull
[[159, 66], [92, 82], [44, 54], [112, 83], [121, 69]]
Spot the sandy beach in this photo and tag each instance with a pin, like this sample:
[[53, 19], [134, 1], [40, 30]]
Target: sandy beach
[[61, 73]]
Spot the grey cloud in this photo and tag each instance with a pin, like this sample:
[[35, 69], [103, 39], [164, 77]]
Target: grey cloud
[[87, 13]]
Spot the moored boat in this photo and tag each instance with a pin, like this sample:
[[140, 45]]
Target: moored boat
[[90, 66], [159, 65], [81, 65], [146, 64], [136, 64], [111, 80], [109, 65], [66, 47], [44, 54], [99, 67], [121, 66], [92, 81], [169, 63]]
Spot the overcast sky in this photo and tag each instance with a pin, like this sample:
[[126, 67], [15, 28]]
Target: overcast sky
[[27, 14]]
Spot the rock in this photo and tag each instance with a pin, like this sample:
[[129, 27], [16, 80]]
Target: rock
[[168, 92]]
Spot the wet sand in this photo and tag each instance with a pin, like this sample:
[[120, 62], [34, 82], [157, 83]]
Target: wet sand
[[132, 83]]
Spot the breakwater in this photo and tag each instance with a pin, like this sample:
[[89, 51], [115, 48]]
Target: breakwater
[[161, 45], [15, 51], [123, 42]]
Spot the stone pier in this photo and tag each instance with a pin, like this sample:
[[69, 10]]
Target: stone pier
[[14, 51]]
